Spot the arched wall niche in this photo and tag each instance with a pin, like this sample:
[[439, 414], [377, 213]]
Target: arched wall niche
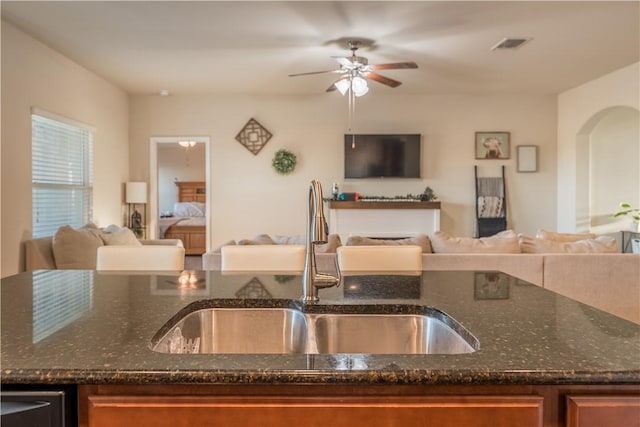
[[607, 168]]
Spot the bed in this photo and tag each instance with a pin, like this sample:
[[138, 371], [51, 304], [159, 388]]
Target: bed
[[188, 222]]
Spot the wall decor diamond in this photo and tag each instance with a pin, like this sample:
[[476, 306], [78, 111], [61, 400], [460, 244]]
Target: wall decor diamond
[[253, 289], [253, 136]]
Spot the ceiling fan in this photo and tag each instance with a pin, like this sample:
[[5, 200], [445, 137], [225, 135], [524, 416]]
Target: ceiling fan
[[355, 71]]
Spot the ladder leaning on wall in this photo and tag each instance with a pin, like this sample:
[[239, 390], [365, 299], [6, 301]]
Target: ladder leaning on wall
[[491, 204]]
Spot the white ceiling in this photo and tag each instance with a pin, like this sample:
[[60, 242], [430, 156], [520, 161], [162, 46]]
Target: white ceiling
[[202, 47]]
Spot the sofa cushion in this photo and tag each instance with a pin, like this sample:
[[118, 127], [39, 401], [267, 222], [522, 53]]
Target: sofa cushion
[[39, 254], [260, 239], [563, 237], [333, 242], [121, 236], [76, 249], [421, 240], [505, 242], [600, 244], [219, 247]]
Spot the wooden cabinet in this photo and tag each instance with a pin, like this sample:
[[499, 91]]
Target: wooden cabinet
[[597, 411], [194, 240], [454, 411], [314, 405], [192, 191]]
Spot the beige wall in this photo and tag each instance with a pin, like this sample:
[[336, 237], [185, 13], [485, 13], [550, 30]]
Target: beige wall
[[614, 158], [250, 198], [579, 111], [33, 75]]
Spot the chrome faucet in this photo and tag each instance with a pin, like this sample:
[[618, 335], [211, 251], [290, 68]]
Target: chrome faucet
[[317, 233]]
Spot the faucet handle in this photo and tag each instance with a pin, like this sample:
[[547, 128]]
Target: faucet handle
[[324, 280]]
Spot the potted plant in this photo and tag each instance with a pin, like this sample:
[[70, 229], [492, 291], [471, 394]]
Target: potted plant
[[634, 213]]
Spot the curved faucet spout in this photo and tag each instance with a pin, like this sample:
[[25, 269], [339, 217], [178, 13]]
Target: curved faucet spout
[[317, 233]]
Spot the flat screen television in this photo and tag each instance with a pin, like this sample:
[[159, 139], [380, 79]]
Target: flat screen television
[[382, 156]]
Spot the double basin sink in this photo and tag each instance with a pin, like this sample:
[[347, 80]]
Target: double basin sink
[[280, 330]]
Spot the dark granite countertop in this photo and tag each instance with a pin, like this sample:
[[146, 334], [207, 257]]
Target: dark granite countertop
[[86, 327]]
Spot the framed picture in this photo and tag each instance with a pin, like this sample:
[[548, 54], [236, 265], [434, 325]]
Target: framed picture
[[491, 285], [527, 158], [493, 145]]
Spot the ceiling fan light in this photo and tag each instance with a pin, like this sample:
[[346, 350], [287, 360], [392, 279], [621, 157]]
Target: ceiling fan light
[[187, 144], [342, 85], [359, 86]]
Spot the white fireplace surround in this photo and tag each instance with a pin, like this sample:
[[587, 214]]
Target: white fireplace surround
[[385, 223]]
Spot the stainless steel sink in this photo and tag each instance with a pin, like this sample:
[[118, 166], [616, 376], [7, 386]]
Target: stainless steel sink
[[289, 331], [237, 330], [386, 334]]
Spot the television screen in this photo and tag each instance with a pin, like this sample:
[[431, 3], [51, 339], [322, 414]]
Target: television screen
[[382, 156]]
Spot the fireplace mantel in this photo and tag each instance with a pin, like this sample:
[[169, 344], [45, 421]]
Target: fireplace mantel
[[383, 219]]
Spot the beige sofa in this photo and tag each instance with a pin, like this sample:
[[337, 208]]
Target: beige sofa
[[608, 281], [39, 252]]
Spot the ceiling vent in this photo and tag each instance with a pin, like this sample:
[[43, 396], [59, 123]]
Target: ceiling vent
[[507, 44]]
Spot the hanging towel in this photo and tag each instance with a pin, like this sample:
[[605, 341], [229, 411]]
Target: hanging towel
[[493, 186], [490, 207]]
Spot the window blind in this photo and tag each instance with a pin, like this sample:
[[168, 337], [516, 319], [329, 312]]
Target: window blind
[[62, 174], [59, 298]]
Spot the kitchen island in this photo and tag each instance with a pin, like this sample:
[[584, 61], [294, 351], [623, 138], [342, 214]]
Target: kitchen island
[[543, 359]]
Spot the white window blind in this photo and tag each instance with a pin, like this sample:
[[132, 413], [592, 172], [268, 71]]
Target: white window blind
[[59, 298], [62, 174]]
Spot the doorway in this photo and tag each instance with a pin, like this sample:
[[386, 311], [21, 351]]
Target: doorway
[[159, 186], [607, 168]]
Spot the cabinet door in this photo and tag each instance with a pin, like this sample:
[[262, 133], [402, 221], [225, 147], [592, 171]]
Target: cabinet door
[[172, 411], [598, 411], [197, 242]]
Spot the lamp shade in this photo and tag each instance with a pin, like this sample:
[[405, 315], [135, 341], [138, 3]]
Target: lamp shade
[[136, 192], [359, 86], [343, 85]]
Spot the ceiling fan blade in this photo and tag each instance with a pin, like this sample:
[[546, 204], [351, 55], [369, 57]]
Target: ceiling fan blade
[[314, 72], [394, 66], [384, 80]]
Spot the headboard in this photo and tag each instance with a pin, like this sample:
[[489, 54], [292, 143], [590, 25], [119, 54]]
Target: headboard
[[192, 191]]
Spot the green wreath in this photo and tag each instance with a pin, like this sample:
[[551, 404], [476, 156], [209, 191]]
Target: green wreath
[[284, 162]]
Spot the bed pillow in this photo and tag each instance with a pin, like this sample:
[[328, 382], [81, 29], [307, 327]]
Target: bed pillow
[[76, 249], [602, 244], [114, 235], [505, 242], [563, 237], [421, 240], [189, 209]]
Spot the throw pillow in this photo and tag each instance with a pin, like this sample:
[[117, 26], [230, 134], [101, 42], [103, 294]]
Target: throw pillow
[[76, 249], [602, 244], [421, 240], [114, 235], [289, 240], [505, 242], [563, 237], [260, 239], [333, 242], [218, 249]]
